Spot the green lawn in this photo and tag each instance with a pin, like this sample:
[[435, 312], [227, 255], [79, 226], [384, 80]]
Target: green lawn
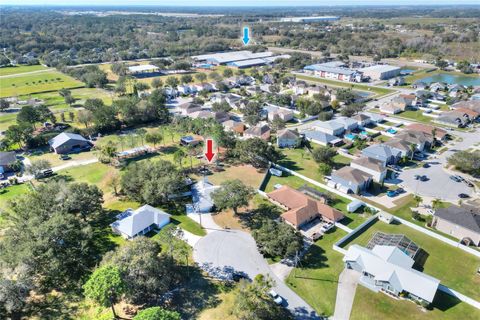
[[316, 278], [370, 305], [35, 83], [352, 220], [376, 90], [6, 71], [453, 267]]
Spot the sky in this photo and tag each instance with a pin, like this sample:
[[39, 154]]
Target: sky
[[236, 3]]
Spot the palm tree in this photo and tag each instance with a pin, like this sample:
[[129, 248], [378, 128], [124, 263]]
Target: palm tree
[[412, 150], [417, 199], [434, 134], [178, 157], [436, 203]]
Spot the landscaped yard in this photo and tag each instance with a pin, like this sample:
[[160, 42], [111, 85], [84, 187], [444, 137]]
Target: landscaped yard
[[316, 277], [36, 82], [370, 305], [453, 267]]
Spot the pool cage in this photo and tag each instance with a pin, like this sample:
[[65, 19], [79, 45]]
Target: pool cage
[[400, 241]]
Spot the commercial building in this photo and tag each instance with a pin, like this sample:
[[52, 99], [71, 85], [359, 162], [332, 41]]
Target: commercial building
[[324, 70], [310, 19], [224, 58], [380, 72], [144, 68]]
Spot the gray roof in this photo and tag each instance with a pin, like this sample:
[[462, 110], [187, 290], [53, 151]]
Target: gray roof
[[7, 158], [380, 151], [288, 134], [319, 136], [64, 137], [352, 174], [330, 125], [257, 130], [393, 266], [373, 164], [465, 216]]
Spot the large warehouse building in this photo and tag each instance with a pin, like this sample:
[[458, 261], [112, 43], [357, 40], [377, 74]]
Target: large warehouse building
[[333, 70], [239, 59], [380, 72]]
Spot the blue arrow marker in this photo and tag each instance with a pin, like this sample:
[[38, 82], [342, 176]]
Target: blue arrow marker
[[246, 38]]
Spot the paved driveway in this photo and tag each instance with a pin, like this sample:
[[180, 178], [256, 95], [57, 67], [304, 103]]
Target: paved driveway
[[347, 285], [221, 252]]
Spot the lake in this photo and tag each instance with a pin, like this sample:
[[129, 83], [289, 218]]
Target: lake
[[453, 78]]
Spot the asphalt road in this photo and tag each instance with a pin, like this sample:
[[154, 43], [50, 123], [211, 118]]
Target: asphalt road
[[222, 252]]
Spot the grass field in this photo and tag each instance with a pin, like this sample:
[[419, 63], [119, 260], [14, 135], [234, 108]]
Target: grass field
[[370, 305], [458, 273], [35, 83], [7, 71], [376, 90], [11, 193], [245, 173], [316, 278]]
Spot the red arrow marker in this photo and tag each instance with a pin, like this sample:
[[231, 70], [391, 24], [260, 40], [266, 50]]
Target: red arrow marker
[[209, 154]]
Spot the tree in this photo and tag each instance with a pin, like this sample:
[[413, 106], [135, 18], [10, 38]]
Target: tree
[[345, 95], [37, 167], [277, 240], [154, 137], [442, 64], [465, 66], [157, 313], [436, 203], [278, 123], [324, 154], [227, 73], [157, 83], [28, 114], [93, 104], [147, 273], [186, 78], [466, 161], [105, 286], [221, 107], [324, 169], [85, 117], [252, 112], [256, 151], [351, 109], [253, 302], [172, 82], [108, 151], [151, 182], [84, 199], [178, 157], [4, 104], [412, 147], [20, 133], [215, 76], [142, 86], [120, 69], [232, 194], [142, 133], [201, 76]]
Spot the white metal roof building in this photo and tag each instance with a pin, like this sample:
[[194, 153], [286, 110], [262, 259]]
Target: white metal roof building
[[388, 269], [133, 223], [143, 68], [380, 71], [233, 56], [248, 63], [310, 19]]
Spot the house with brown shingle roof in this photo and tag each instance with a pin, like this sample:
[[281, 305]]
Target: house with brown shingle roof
[[440, 134], [258, 131], [301, 208]]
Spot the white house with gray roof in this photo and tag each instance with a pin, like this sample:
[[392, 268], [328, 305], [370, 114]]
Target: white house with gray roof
[[388, 269], [331, 127], [134, 223], [376, 168], [387, 154], [322, 138], [348, 179], [67, 142]]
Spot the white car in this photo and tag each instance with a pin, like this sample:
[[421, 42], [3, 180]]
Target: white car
[[327, 226], [278, 300]]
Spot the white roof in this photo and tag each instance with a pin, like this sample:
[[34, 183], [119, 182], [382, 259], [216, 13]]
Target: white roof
[[330, 125], [347, 122], [201, 195], [379, 68], [249, 62], [131, 222], [391, 264], [225, 57], [64, 137], [143, 67]]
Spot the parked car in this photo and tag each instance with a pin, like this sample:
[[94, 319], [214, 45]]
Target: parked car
[[426, 165], [316, 236], [327, 226], [463, 196], [455, 178], [417, 177], [468, 183], [278, 300], [65, 157], [237, 276], [400, 190], [391, 193], [423, 178]]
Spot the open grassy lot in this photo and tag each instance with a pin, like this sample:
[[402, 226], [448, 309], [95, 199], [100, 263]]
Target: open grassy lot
[[453, 267], [352, 220], [316, 277], [6, 71], [37, 82], [376, 90], [11, 193], [370, 305], [249, 175]]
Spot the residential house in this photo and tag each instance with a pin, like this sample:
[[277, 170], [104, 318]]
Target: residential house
[[202, 114], [300, 88], [391, 108], [67, 142], [438, 86], [7, 160], [348, 124], [461, 222], [258, 131], [453, 118], [403, 101], [349, 179], [301, 208], [471, 105], [188, 108], [283, 114], [331, 127], [420, 139], [382, 152], [397, 81], [202, 197], [388, 269], [420, 85], [455, 90], [440, 134], [221, 116], [402, 145], [234, 126], [362, 120], [322, 138], [133, 223], [268, 78], [375, 168], [204, 86], [288, 139], [375, 117], [186, 89]]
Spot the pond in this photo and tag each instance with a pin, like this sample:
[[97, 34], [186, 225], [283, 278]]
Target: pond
[[405, 72], [453, 78]]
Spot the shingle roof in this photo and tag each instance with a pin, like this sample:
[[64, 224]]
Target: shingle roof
[[374, 164], [425, 128], [7, 158], [257, 130], [288, 134], [132, 222], [320, 136], [352, 174], [64, 137], [465, 216]]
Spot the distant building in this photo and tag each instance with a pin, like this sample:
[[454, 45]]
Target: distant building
[[462, 223], [380, 72], [258, 131], [7, 160], [310, 19], [287, 138], [133, 223], [144, 68], [224, 58], [188, 108], [335, 73]]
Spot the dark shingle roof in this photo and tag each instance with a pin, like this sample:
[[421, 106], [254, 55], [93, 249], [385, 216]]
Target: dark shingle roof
[[7, 158], [465, 216]]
